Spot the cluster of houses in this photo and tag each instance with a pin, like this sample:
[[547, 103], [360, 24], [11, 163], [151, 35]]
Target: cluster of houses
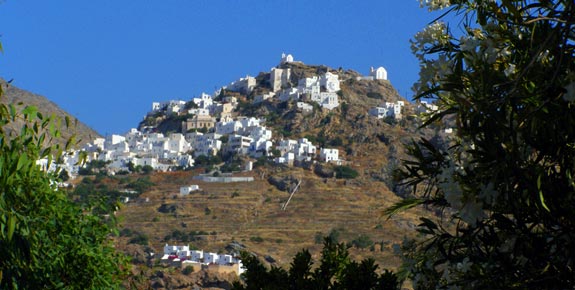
[[388, 109], [204, 135], [182, 256], [425, 107], [245, 136]]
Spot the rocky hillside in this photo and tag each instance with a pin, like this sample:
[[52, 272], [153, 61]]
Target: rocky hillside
[[251, 216], [15, 95], [373, 145]]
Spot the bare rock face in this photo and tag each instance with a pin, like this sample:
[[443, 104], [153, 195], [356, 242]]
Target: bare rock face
[[202, 280], [137, 253], [285, 183], [324, 170]]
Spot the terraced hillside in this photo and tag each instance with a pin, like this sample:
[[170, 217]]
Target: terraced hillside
[[251, 214]]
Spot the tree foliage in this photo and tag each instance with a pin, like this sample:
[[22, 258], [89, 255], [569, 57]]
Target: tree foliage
[[46, 241], [345, 172], [336, 271], [506, 179]]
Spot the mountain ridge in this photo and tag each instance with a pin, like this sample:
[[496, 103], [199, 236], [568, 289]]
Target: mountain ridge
[[15, 95]]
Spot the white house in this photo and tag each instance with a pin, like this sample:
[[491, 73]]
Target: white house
[[196, 255], [228, 127], [174, 250], [171, 107], [309, 85], [257, 132], [330, 82], [185, 161], [286, 145], [199, 111], [210, 258], [304, 150], [424, 107], [304, 107], [145, 161], [185, 190], [239, 144], [388, 110], [287, 159], [379, 112], [177, 143], [288, 94], [205, 144], [260, 98], [224, 259], [329, 155], [260, 146], [326, 100], [113, 140], [205, 101], [251, 121], [243, 85]]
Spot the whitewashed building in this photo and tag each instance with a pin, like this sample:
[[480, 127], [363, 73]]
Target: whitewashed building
[[424, 107], [288, 94], [210, 258], [388, 110], [304, 107], [326, 100], [260, 98], [286, 58], [330, 82], [329, 155], [379, 73], [243, 85], [185, 190], [279, 78]]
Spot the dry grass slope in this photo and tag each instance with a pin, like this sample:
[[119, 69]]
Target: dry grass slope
[[251, 214]]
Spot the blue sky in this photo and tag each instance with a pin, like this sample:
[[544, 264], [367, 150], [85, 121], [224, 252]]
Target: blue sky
[[106, 61]]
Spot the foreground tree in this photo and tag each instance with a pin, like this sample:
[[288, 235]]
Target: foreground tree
[[336, 271], [507, 85], [46, 241]]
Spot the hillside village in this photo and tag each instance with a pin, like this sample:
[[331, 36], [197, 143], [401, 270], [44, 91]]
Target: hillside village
[[182, 257], [294, 119], [210, 125]]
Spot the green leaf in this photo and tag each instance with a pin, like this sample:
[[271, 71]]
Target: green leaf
[[402, 206], [23, 159], [30, 112], [11, 227], [52, 129], [12, 112], [541, 198]]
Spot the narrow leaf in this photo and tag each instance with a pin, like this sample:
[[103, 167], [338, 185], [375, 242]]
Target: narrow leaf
[[21, 161], [541, 198], [12, 112], [402, 206], [11, 227]]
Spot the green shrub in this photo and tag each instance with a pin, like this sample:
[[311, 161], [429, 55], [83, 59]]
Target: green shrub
[[140, 239], [257, 239], [345, 172], [188, 270], [362, 242]]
